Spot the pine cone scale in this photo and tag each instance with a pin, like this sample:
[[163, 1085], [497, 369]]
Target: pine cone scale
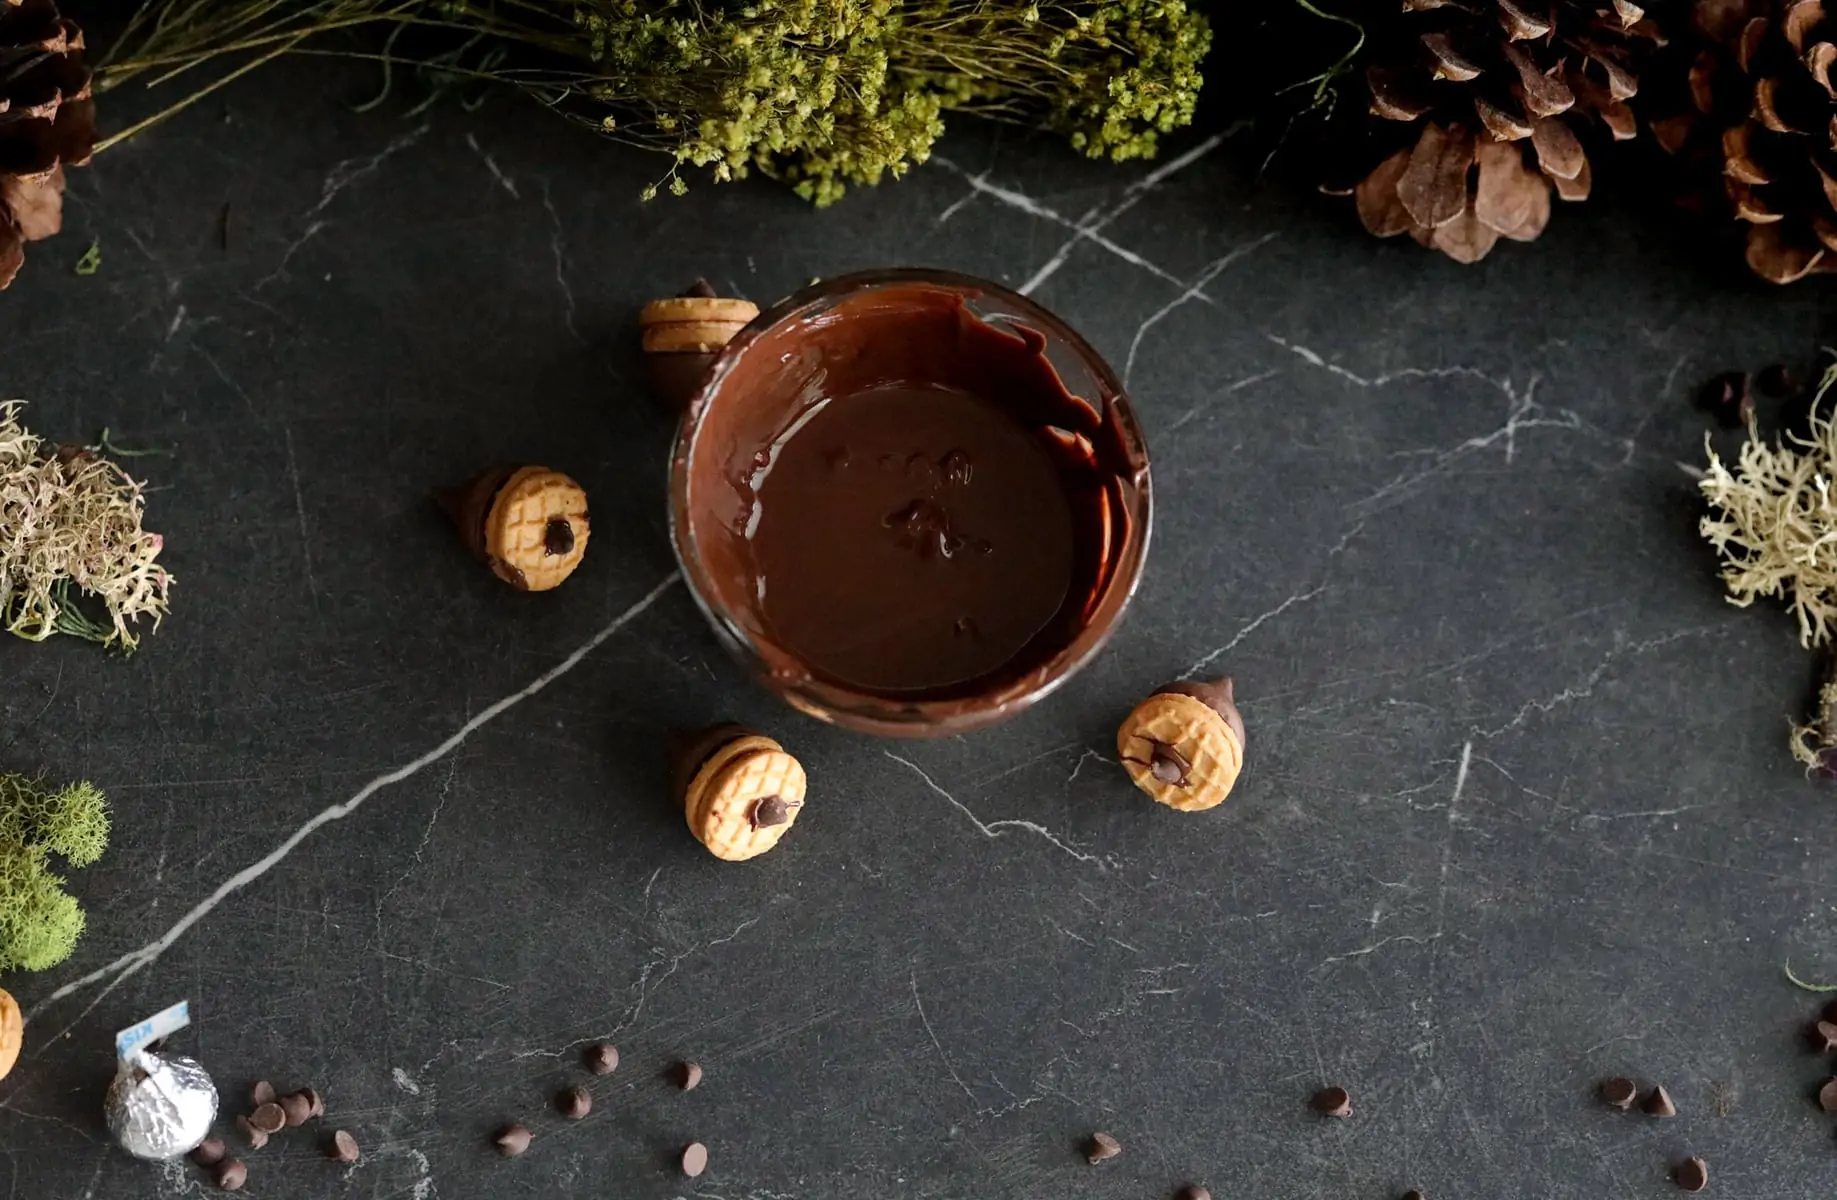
[[1433, 187], [47, 121]]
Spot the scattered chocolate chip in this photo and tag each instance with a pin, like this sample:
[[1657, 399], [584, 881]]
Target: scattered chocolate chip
[[314, 1099], [557, 536], [1692, 1175], [694, 1159], [511, 1140], [772, 810], [1658, 1103], [1822, 1036], [1827, 1096], [602, 1059], [1775, 380], [1193, 1191], [262, 1093], [1830, 1012], [1729, 397], [1332, 1102], [574, 1103], [250, 1134], [231, 1175], [269, 1117], [295, 1109], [701, 289], [1102, 1146], [209, 1152], [342, 1147], [1618, 1092], [1413, 1194], [689, 1076]]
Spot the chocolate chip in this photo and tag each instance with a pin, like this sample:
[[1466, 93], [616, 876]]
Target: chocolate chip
[[1692, 1175], [574, 1103], [296, 1109], [209, 1152], [1822, 1035], [511, 1140], [1618, 1092], [342, 1147], [1193, 1191], [557, 536], [694, 1159], [1169, 765], [231, 1175], [1775, 380], [314, 1099], [1658, 1103], [250, 1134], [701, 289], [602, 1059], [1413, 1194], [689, 1076], [1332, 1102], [769, 811], [269, 1117], [1102, 1146], [1729, 397], [262, 1093], [1827, 1096]]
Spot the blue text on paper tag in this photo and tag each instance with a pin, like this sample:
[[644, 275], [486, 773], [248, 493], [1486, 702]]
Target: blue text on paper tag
[[129, 1041]]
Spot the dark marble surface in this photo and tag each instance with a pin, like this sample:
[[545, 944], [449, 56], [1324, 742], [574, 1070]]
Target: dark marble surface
[[1517, 812]]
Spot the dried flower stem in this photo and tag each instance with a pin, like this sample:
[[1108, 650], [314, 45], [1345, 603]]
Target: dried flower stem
[[821, 93]]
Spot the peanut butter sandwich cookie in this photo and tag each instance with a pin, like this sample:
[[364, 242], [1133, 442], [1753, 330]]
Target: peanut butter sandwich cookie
[[740, 791], [1184, 745], [528, 524]]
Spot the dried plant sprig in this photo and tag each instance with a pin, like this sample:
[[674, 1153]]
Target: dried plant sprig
[[1774, 522], [70, 527], [822, 93]]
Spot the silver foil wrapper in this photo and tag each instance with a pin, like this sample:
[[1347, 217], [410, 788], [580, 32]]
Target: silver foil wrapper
[[163, 1108]]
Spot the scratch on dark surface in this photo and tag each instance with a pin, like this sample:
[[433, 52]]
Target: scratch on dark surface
[[504, 181], [1586, 687], [1195, 289], [1255, 624], [561, 263], [935, 1044], [1186, 418], [993, 829], [135, 961], [299, 507]]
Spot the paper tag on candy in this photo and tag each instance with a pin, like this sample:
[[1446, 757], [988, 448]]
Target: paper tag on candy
[[129, 1041]]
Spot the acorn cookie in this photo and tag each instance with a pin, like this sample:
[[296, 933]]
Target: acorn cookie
[[528, 524], [682, 334], [740, 791], [1184, 745]]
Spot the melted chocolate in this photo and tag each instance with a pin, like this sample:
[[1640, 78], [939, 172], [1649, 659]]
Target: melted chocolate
[[909, 539], [897, 497]]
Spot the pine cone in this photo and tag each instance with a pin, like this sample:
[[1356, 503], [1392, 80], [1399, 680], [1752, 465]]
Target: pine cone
[[1767, 90], [1476, 114], [47, 121]]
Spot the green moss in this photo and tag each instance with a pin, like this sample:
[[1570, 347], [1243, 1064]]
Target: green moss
[[39, 921]]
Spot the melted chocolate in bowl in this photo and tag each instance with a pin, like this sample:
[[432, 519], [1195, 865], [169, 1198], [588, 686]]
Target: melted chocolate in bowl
[[900, 509]]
